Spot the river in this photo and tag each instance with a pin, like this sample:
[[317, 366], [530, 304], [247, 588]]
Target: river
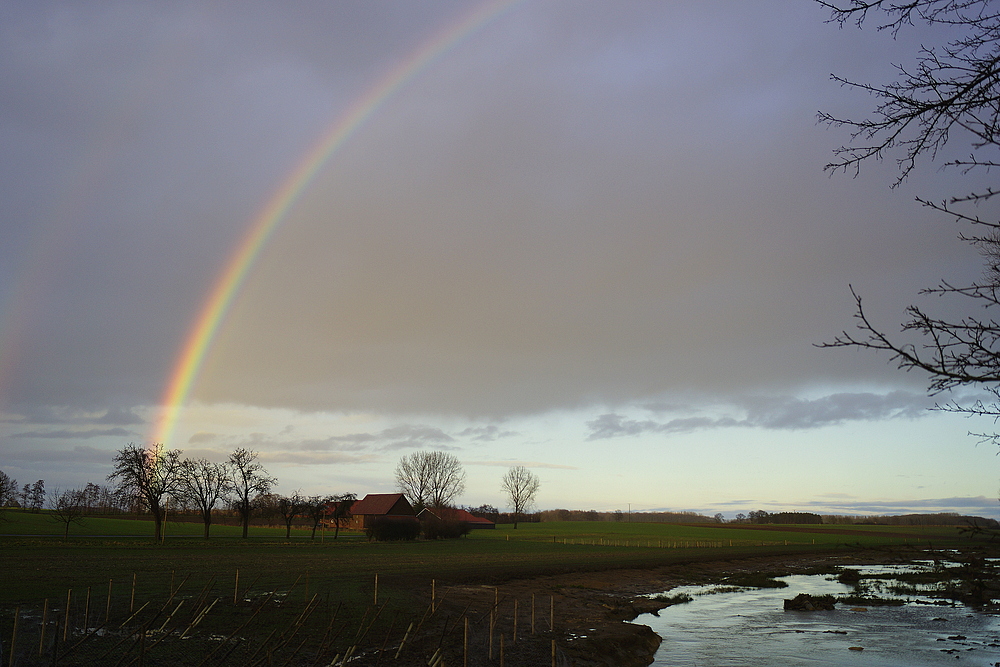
[[750, 628]]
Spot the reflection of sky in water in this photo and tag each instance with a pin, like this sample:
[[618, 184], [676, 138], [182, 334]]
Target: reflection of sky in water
[[751, 628]]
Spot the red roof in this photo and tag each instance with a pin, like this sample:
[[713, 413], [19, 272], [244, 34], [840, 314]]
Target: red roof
[[455, 514], [378, 503]]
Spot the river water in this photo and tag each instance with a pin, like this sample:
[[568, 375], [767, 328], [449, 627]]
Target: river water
[[750, 628]]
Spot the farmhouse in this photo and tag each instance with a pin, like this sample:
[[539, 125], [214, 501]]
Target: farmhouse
[[380, 505], [454, 514]]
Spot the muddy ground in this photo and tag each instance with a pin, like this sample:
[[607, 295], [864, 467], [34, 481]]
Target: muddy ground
[[588, 612]]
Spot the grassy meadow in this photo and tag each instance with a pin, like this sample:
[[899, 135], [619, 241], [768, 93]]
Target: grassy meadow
[[274, 591], [40, 563]]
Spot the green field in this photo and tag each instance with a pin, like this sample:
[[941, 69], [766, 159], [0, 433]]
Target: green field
[[40, 563], [110, 567]]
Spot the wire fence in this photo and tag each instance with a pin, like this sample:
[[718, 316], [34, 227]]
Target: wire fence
[[252, 627]]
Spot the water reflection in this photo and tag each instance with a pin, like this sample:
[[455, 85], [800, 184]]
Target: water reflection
[[750, 628]]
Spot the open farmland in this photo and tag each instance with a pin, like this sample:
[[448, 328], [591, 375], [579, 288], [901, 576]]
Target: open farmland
[[328, 595]]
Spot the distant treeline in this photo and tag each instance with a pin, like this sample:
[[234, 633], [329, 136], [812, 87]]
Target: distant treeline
[[941, 519], [496, 516], [763, 517], [618, 515]]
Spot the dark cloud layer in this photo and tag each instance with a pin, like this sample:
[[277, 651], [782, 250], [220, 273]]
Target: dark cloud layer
[[575, 205], [777, 413]]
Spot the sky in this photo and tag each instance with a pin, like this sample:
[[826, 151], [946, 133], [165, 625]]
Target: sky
[[593, 239]]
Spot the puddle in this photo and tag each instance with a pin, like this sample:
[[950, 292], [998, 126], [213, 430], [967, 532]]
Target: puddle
[[746, 628]]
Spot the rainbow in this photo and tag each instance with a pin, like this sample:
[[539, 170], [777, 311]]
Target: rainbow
[[225, 289]]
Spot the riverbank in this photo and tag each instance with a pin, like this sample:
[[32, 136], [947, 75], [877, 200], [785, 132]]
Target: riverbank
[[590, 612]]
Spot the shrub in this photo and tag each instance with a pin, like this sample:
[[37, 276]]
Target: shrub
[[436, 529], [383, 529]]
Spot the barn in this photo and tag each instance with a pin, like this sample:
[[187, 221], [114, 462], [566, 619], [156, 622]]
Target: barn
[[393, 506]]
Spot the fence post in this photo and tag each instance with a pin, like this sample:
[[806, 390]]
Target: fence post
[[86, 612], [69, 594], [45, 621], [107, 610], [13, 637]]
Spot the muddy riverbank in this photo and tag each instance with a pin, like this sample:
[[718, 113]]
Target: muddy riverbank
[[584, 617]]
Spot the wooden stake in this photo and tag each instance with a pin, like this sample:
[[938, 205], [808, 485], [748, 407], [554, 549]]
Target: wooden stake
[[552, 613], [131, 604], [532, 613], [501, 650], [465, 644], [376, 589], [236, 587], [69, 595], [107, 610], [86, 612], [433, 594], [13, 637], [45, 621], [406, 635], [515, 620], [553, 653]]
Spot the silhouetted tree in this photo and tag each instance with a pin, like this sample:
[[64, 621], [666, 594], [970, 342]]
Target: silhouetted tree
[[148, 476], [203, 485], [950, 94], [339, 511], [289, 508], [68, 507], [36, 497], [250, 480], [430, 479], [520, 485], [8, 491], [315, 509]]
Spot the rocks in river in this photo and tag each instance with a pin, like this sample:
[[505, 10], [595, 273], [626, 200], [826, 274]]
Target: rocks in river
[[806, 602]]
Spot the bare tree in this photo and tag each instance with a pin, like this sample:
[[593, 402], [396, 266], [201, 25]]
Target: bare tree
[[68, 507], [520, 485], [250, 480], [339, 511], [36, 496], [430, 479], [148, 475], [8, 491], [950, 94], [315, 509], [289, 508], [204, 485]]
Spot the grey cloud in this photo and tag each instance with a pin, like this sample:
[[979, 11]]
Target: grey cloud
[[795, 413], [526, 464], [202, 436], [399, 437], [978, 505], [486, 433], [613, 425], [76, 435], [120, 417], [786, 413], [315, 458], [551, 232]]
